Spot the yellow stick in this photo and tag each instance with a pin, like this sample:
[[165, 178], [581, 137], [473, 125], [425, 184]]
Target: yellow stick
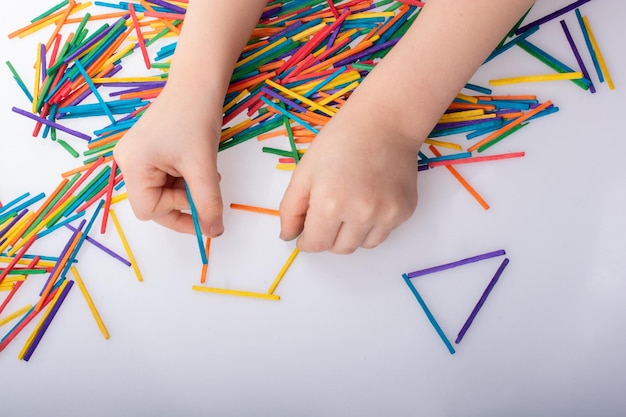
[[15, 314], [234, 101], [444, 144], [120, 232], [339, 93], [118, 198], [90, 303], [326, 110], [461, 114], [285, 167], [283, 270], [236, 292], [596, 48], [37, 78], [308, 32], [537, 78], [260, 52], [465, 97]]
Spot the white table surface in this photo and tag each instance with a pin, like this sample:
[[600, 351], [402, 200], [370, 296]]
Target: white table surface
[[347, 337]]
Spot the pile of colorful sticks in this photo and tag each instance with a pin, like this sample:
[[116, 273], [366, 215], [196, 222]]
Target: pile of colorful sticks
[[302, 62]]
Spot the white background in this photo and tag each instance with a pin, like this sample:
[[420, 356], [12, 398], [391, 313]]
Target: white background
[[347, 337]]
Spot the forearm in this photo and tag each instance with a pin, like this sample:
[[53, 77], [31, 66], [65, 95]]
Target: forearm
[[414, 84], [212, 38]]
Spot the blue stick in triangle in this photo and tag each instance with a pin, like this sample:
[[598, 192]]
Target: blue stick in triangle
[[431, 318]]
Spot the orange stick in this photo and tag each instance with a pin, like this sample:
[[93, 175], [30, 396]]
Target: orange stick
[[477, 159], [337, 100], [60, 24], [255, 45], [254, 209], [85, 167], [205, 267], [401, 12], [112, 138], [249, 82], [166, 22], [304, 139], [373, 32], [312, 117], [272, 134], [49, 19], [462, 180], [79, 182], [512, 115], [229, 134], [471, 106], [154, 92], [271, 66], [164, 15], [509, 126]]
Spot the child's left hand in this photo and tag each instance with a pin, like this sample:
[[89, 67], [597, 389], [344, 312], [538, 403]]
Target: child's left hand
[[355, 184]]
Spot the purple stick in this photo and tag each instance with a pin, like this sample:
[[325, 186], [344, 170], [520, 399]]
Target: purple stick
[[47, 321], [88, 92], [481, 301], [43, 62], [168, 6], [579, 59], [550, 16], [138, 87], [366, 52], [333, 37], [289, 28], [91, 42], [457, 263], [283, 99], [47, 122], [102, 247], [15, 220]]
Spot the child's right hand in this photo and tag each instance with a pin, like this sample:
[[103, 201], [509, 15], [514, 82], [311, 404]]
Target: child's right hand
[[174, 142]]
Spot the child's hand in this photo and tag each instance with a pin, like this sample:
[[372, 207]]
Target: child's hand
[[173, 142], [356, 183]]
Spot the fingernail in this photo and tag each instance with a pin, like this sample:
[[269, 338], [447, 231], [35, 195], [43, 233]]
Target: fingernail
[[215, 231]]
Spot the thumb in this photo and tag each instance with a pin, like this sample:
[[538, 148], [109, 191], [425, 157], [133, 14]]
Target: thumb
[[293, 209], [204, 188]]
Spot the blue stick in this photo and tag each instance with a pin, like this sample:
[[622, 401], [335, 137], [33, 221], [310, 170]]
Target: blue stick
[[196, 225], [431, 318]]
